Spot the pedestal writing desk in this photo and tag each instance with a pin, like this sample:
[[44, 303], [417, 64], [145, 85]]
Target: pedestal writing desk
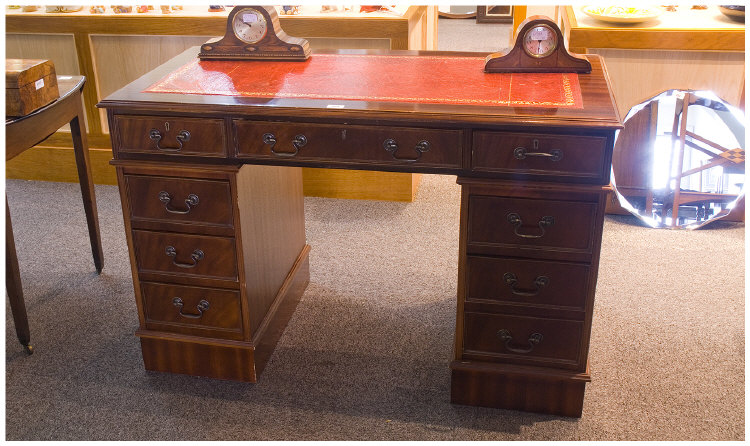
[[208, 156]]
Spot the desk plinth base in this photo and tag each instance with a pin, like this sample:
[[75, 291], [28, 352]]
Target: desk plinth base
[[230, 360], [518, 388]]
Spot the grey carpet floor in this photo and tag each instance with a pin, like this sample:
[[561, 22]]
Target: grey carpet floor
[[365, 356]]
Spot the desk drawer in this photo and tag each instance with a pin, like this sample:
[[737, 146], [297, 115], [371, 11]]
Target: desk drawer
[[522, 340], [185, 255], [170, 136], [183, 200], [563, 157], [532, 283], [192, 310], [499, 224], [349, 143]]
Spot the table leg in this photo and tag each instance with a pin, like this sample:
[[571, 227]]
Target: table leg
[[13, 285], [81, 149]]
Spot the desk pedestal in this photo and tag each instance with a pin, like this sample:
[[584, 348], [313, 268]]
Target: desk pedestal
[[528, 261], [220, 262]]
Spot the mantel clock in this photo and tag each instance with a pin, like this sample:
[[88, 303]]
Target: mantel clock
[[538, 48], [254, 33]]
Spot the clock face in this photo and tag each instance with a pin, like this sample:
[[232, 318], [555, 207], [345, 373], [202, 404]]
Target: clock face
[[249, 25], [540, 41]]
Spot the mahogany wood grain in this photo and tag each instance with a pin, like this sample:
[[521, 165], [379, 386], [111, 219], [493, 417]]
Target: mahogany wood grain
[[568, 237], [219, 221], [581, 158], [488, 380], [218, 262], [560, 345], [565, 286], [281, 310], [458, 341], [205, 137], [528, 389], [271, 239], [365, 144], [212, 201], [198, 357], [231, 360], [126, 212], [221, 318]]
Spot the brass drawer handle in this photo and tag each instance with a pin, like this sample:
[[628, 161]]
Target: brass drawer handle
[[516, 221], [201, 307], [298, 142], [190, 202], [391, 146], [505, 336], [196, 256], [511, 280], [182, 137], [522, 152]]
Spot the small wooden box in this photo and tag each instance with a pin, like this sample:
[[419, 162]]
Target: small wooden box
[[30, 84]]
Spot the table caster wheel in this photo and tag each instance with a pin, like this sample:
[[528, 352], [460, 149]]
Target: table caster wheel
[[29, 349]]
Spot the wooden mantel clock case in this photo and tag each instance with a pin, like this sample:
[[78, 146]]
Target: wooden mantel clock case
[[208, 154]]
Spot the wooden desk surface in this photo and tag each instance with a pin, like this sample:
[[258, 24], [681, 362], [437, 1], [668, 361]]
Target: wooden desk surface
[[598, 106]]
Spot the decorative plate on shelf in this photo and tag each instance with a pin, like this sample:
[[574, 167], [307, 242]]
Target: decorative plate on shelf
[[736, 13], [621, 14]]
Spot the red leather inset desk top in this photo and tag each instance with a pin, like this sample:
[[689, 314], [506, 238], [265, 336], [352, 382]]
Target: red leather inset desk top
[[383, 78]]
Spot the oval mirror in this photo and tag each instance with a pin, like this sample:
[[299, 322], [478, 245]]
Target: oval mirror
[[679, 161]]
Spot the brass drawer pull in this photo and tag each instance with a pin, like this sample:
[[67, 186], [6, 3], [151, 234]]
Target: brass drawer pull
[[511, 279], [505, 336], [516, 221], [201, 307], [196, 256], [298, 142], [190, 202], [391, 146], [522, 152], [182, 137]]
